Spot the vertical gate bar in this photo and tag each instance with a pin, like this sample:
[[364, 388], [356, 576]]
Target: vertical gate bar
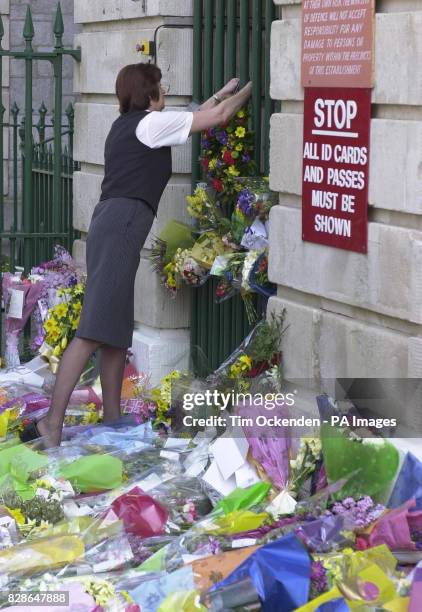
[[15, 115], [219, 43], [244, 42], [257, 78], [208, 47], [268, 104], [231, 45], [196, 295], [2, 110], [58, 94], [28, 211]]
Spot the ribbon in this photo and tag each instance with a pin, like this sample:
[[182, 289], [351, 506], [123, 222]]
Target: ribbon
[[47, 353]]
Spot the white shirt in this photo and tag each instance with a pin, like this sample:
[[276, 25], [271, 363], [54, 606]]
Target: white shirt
[[164, 129]]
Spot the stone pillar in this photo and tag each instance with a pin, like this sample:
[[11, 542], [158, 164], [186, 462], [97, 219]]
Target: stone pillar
[[5, 96], [110, 32], [352, 315]]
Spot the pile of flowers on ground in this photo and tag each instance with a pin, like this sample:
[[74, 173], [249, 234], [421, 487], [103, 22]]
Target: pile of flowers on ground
[[152, 515]]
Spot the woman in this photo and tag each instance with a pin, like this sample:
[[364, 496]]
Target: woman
[[137, 170]]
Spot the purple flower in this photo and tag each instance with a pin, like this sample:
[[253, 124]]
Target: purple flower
[[246, 158], [222, 137], [319, 582], [205, 144], [245, 202]]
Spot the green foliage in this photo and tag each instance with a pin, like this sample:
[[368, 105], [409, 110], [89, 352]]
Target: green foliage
[[267, 339]]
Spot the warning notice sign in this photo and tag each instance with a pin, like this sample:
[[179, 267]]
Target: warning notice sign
[[336, 167], [337, 43]]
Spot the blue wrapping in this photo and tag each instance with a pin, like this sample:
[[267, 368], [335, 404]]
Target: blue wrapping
[[408, 484], [281, 573], [335, 605]]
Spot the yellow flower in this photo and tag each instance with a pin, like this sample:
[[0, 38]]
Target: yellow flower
[[75, 323], [246, 361], [61, 310], [232, 171], [240, 132], [213, 164], [50, 326], [64, 343], [57, 351], [239, 147], [77, 307], [17, 515], [241, 114]]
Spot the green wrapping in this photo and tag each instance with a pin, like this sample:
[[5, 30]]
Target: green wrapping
[[369, 464]]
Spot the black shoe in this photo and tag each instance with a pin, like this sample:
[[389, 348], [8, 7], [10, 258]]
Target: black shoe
[[30, 433]]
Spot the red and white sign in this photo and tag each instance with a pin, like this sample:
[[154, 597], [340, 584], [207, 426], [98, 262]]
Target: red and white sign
[[336, 167], [337, 43]]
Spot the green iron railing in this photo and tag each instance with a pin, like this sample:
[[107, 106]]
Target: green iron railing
[[230, 38], [40, 201]]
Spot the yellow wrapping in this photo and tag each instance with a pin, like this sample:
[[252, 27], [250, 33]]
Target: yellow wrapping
[[4, 422], [182, 601], [40, 555], [315, 603], [401, 604], [207, 248], [236, 522]]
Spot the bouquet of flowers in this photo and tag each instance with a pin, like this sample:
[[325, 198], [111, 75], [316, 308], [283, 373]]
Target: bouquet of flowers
[[226, 153], [204, 207], [61, 272], [188, 269], [61, 324], [175, 237]]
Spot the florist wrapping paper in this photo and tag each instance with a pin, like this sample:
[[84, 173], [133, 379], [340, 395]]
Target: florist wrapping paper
[[94, 473], [149, 595], [32, 292], [408, 484], [217, 567], [281, 573], [141, 514], [415, 604], [269, 450], [370, 464]]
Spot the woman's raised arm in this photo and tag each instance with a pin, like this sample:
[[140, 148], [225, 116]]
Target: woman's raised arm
[[206, 119]]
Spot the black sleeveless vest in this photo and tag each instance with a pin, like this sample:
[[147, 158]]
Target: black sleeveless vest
[[133, 170]]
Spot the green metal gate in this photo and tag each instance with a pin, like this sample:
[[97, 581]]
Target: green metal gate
[[231, 38], [40, 202]]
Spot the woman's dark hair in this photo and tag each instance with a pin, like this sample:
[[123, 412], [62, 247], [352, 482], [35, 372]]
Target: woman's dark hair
[[136, 85]]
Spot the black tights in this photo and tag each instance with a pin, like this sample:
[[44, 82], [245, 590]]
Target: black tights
[[72, 364]]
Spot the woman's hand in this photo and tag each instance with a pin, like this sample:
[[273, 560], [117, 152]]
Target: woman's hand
[[229, 88], [221, 113]]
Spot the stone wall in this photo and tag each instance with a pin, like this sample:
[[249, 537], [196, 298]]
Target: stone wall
[[352, 315], [108, 38]]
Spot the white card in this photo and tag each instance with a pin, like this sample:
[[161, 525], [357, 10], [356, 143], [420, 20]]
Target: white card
[[215, 479], [230, 453], [243, 542], [15, 302], [246, 476]]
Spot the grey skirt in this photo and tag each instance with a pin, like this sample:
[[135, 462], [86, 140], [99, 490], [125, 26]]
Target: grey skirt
[[118, 230]]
